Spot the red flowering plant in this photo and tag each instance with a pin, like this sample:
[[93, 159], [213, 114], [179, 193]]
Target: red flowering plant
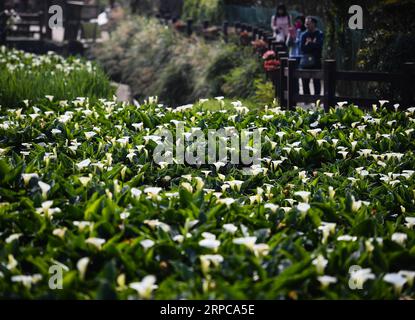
[[271, 64]]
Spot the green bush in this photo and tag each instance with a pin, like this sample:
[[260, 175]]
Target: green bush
[[199, 10], [148, 56], [25, 76], [240, 82]]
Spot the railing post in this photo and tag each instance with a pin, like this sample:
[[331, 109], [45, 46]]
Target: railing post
[[291, 83], [282, 86], [279, 78], [254, 33], [408, 76], [189, 27], [329, 84], [205, 24], [270, 40], [237, 26], [3, 22], [225, 27]]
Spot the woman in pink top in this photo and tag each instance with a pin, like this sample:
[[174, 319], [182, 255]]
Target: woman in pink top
[[281, 23]]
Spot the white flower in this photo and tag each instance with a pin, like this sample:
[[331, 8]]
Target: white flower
[[90, 134], [356, 205], [45, 189], [208, 235], [382, 102], [147, 243], [226, 201], [84, 180], [271, 206], [12, 237], [235, 184], [314, 132], [187, 186], [136, 192], [229, 227], [208, 259], [396, 279], [123, 141], [326, 281], [12, 262], [26, 280], [152, 192], [47, 209], [303, 207], [83, 164], [249, 242], [210, 243], [82, 265], [360, 276], [157, 224], [145, 287], [327, 228], [97, 242], [410, 222], [138, 126], [320, 263], [59, 232], [343, 153], [178, 238], [218, 165], [399, 238], [346, 237], [332, 192], [305, 195], [260, 249], [83, 224], [409, 275]]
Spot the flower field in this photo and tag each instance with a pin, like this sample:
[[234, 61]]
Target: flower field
[[330, 213], [26, 76]]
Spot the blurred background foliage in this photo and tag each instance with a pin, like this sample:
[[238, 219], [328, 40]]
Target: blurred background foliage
[[148, 57], [155, 60]]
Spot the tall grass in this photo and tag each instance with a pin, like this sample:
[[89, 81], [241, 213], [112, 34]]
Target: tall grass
[[26, 76]]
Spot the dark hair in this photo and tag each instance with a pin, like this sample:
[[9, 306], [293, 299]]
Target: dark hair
[[281, 7], [312, 19], [302, 19]]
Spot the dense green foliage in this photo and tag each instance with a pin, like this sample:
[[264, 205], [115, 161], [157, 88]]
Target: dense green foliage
[[200, 10], [25, 76], [79, 189]]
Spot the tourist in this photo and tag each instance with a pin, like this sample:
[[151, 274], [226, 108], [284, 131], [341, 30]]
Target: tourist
[[280, 23], [294, 37], [311, 47]]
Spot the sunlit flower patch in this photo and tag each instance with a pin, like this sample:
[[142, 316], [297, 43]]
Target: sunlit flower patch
[[79, 187]]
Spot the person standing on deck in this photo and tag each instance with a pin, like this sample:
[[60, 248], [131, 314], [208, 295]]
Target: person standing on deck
[[281, 23], [311, 48], [294, 39]]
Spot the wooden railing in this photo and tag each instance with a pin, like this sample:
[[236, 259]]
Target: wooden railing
[[288, 93]]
